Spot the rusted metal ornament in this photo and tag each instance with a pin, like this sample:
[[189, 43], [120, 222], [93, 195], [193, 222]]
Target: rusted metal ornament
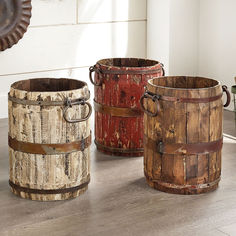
[[14, 20]]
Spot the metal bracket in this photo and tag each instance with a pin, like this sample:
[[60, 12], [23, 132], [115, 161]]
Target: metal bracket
[[82, 145], [160, 147]]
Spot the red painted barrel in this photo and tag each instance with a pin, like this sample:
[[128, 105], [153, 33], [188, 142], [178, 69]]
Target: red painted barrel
[[118, 85]]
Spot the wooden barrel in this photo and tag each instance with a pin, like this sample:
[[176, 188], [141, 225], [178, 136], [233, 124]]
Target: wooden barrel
[[119, 84], [49, 138], [183, 134]]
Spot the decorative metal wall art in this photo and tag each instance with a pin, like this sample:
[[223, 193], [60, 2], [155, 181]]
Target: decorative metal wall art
[[14, 20]]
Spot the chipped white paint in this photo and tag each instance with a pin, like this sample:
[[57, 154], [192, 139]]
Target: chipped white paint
[[46, 124]]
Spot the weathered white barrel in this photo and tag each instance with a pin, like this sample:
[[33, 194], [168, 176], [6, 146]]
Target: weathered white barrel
[[49, 138]]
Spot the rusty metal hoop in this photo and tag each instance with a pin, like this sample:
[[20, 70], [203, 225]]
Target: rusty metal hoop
[[91, 70], [225, 89], [49, 191], [155, 98], [163, 70], [70, 103]]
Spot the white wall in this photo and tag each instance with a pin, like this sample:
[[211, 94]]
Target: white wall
[[158, 31], [172, 34], [184, 25], [217, 41], [65, 37], [199, 37]]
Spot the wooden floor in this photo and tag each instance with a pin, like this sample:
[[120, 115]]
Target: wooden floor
[[230, 123], [119, 202]]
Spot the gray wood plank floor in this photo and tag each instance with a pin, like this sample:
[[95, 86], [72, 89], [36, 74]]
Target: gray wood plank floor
[[230, 123], [119, 202]]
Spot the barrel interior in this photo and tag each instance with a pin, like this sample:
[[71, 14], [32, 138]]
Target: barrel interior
[[48, 85], [184, 82], [127, 62]]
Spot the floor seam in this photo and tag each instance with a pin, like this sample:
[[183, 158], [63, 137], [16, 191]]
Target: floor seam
[[229, 136], [222, 232]]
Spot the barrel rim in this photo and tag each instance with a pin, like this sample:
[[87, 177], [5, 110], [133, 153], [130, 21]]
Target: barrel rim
[[183, 89], [84, 84], [156, 63]]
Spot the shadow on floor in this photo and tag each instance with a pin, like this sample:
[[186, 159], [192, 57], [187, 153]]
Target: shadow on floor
[[99, 156]]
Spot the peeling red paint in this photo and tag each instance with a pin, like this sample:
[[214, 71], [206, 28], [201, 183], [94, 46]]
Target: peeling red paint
[[122, 87]]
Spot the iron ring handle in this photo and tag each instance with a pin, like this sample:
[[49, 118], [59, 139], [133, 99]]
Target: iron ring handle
[[225, 89], [163, 70], [154, 99], [77, 120], [91, 70]]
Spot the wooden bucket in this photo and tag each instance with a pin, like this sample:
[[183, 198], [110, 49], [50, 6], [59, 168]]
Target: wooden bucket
[[49, 138], [119, 84], [183, 133]]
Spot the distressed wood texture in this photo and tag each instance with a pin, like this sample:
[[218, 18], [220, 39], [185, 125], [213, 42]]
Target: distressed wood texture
[[46, 125], [183, 123], [121, 84]]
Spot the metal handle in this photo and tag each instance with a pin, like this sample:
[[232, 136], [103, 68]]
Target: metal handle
[[225, 89], [155, 98], [91, 70], [70, 103], [163, 70]]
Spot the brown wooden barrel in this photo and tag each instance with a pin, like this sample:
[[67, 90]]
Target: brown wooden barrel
[[119, 85], [183, 134], [49, 138]]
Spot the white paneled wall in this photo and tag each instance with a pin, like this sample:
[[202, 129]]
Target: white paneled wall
[[111, 10], [184, 33], [67, 36], [158, 31], [217, 41], [173, 27], [194, 37], [54, 12]]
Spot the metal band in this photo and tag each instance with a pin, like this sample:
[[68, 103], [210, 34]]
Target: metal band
[[184, 148], [49, 149], [117, 111], [187, 186], [49, 191], [131, 72], [45, 103], [115, 149], [191, 100], [97, 68], [185, 100]]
